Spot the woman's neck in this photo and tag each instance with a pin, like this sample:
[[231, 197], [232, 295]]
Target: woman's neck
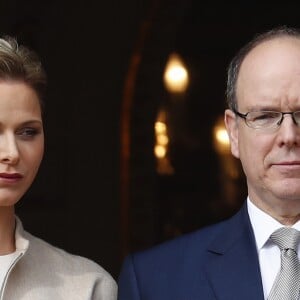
[[7, 230]]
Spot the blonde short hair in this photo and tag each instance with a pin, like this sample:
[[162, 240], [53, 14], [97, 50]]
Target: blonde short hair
[[19, 63]]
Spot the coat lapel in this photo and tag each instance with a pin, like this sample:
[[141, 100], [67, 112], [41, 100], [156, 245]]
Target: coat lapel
[[232, 266]]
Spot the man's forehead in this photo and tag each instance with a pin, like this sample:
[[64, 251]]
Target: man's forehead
[[274, 46]]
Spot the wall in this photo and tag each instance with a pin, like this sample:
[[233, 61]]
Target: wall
[[85, 47]]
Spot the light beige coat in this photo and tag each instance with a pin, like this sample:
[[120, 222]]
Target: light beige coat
[[44, 272]]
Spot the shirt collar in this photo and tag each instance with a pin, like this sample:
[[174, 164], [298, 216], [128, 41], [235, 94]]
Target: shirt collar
[[22, 243], [263, 224]]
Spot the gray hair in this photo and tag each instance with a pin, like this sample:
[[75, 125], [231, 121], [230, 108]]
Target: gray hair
[[236, 62], [19, 63]]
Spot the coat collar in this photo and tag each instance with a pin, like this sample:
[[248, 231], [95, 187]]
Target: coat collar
[[22, 243], [234, 250]]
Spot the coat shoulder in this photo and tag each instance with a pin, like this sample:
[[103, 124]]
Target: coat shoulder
[[45, 265], [177, 253]]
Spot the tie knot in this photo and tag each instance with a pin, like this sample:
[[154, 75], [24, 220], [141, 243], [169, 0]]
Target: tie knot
[[286, 238]]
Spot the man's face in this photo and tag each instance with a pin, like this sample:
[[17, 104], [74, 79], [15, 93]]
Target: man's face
[[269, 79]]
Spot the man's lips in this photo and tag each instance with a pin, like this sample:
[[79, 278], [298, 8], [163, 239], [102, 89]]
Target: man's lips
[[287, 163], [287, 166]]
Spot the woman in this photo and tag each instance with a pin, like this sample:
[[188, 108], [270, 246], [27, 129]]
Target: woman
[[29, 267]]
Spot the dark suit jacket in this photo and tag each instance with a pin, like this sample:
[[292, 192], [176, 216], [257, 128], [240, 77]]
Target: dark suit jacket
[[218, 262]]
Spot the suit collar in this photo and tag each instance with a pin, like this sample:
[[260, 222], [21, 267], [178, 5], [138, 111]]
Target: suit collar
[[235, 229], [232, 267]]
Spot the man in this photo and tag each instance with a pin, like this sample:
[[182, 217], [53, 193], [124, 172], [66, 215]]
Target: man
[[240, 258]]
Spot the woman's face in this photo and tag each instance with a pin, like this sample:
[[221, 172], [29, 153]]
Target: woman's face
[[21, 140]]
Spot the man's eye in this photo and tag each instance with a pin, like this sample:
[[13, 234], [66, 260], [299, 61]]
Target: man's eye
[[265, 116]]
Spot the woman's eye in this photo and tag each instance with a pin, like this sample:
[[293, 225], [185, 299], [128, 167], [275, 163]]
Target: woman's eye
[[27, 132]]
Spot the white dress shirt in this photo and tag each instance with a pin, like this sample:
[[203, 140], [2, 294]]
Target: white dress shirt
[[268, 253]]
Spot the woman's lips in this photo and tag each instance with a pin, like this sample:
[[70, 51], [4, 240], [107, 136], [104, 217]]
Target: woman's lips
[[10, 177]]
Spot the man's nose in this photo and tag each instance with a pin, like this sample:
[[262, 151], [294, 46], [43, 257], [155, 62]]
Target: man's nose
[[283, 114], [289, 131]]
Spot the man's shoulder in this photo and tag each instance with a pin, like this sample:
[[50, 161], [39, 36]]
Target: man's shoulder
[[170, 263], [177, 269], [180, 248]]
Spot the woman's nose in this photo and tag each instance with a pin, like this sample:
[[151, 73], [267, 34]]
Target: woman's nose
[[9, 152]]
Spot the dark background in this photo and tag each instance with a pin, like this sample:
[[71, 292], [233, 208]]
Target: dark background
[[98, 193]]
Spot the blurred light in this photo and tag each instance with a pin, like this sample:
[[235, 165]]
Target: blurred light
[[160, 127], [176, 77], [221, 139], [162, 139], [160, 151], [222, 136], [163, 166]]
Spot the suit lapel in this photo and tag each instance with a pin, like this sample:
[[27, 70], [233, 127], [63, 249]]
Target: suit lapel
[[232, 266]]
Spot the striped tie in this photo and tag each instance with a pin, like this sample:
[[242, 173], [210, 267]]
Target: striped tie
[[287, 282]]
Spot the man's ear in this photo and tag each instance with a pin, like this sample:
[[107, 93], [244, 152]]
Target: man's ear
[[232, 131]]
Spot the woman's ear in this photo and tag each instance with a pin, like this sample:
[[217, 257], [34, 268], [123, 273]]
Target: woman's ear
[[232, 131]]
